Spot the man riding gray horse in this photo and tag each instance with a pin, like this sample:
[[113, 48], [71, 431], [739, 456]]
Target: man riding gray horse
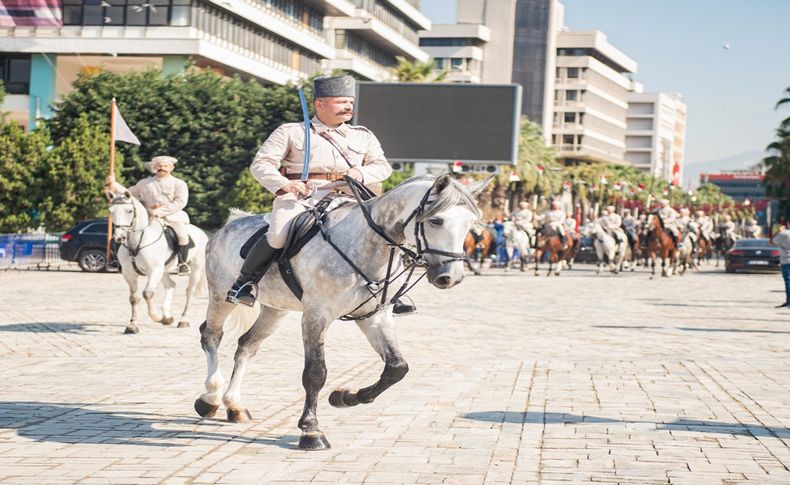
[[339, 149], [164, 196]]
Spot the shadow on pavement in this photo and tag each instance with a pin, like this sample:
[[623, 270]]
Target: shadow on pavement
[[694, 329], [49, 327], [681, 424], [79, 423]]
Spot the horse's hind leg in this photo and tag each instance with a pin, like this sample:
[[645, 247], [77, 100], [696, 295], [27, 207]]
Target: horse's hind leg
[[314, 328], [167, 305], [210, 337], [249, 343], [380, 332]]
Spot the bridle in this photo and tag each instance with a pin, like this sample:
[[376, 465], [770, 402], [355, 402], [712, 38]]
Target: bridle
[[133, 252], [413, 259]]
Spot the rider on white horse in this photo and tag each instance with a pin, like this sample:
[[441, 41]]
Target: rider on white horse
[[338, 149], [727, 228], [611, 223], [523, 217], [705, 225], [669, 217], [164, 196], [752, 229]]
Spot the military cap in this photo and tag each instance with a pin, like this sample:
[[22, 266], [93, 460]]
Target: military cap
[[325, 87], [151, 166]]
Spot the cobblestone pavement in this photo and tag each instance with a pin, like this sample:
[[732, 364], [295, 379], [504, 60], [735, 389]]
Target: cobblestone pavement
[[514, 379]]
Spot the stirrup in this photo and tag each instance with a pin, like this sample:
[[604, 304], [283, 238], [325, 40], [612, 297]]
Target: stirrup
[[400, 309], [241, 293], [183, 269]]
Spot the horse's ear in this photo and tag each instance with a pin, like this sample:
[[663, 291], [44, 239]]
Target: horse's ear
[[109, 194], [127, 194], [477, 188], [442, 182]]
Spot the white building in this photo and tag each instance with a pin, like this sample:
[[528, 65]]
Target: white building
[[656, 134], [274, 41], [590, 99], [457, 49]]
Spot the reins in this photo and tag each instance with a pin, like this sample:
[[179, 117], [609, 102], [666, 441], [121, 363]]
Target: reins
[[413, 259], [134, 252]]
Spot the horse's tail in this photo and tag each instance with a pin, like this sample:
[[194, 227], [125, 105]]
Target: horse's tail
[[241, 319], [201, 289]]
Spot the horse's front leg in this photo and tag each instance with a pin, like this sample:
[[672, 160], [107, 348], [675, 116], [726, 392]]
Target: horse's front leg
[[148, 293], [314, 326], [380, 332], [266, 324], [134, 296], [210, 337], [167, 304], [195, 279]]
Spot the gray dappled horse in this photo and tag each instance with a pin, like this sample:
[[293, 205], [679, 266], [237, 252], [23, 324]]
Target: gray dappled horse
[[143, 251], [428, 213], [516, 238], [607, 248]]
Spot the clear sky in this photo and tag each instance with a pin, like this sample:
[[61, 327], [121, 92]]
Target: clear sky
[[730, 93]]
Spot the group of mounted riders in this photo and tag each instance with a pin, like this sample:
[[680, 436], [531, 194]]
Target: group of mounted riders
[[678, 236]]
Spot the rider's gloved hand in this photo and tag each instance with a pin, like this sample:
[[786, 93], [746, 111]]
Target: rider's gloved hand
[[355, 174]]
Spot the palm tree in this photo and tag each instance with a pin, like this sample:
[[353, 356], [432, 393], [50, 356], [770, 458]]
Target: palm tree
[[417, 72], [785, 100]]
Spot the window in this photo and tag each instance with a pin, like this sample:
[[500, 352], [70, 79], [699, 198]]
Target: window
[[439, 63], [127, 12], [571, 95], [95, 228], [567, 139], [573, 73], [457, 64], [15, 73], [570, 117]]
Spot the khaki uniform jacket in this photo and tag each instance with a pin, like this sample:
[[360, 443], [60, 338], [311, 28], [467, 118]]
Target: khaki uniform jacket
[[286, 145], [170, 193]]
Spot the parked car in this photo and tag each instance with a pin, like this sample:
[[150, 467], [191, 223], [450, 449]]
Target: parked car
[[86, 244], [752, 255], [586, 252]]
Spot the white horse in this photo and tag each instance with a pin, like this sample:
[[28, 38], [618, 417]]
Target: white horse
[[428, 214], [687, 248], [143, 251], [516, 238], [607, 248]]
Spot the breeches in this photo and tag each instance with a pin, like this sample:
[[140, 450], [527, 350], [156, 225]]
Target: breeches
[[181, 232], [285, 208]]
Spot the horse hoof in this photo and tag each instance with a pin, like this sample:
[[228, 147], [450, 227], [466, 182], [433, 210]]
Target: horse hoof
[[166, 321], [183, 324], [204, 409], [313, 441], [235, 416], [343, 398], [131, 329]]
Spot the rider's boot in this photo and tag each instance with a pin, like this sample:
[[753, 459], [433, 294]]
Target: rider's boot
[[674, 238], [183, 267], [258, 260], [401, 308]]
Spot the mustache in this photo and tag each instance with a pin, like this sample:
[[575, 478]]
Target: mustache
[[344, 112]]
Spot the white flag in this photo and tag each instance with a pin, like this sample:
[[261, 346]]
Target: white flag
[[122, 131]]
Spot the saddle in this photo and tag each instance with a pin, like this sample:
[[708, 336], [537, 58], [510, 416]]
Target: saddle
[[301, 230], [172, 243]]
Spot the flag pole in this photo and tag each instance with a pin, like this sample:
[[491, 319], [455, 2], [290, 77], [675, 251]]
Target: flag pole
[[112, 174]]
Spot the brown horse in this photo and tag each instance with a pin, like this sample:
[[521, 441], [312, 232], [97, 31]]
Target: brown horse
[[479, 240], [548, 241], [703, 250], [660, 243], [571, 248]]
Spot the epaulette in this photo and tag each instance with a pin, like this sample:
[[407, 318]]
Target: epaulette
[[359, 127]]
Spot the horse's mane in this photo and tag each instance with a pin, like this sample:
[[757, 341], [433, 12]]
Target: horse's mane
[[455, 194]]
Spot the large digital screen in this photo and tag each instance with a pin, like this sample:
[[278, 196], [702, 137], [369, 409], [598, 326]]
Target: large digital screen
[[438, 122]]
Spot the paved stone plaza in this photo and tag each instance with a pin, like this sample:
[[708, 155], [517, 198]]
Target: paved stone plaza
[[514, 379]]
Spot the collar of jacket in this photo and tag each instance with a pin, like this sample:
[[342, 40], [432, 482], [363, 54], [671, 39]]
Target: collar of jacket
[[320, 127]]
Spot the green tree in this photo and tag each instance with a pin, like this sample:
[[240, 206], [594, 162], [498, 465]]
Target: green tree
[[777, 162], [22, 157], [537, 164], [248, 195], [74, 175], [212, 125], [417, 72]]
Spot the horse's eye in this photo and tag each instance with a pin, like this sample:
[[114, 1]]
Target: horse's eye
[[436, 221]]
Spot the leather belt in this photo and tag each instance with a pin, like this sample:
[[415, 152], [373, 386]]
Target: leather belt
[[332, 177]]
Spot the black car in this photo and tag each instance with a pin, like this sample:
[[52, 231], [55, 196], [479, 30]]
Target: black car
[[752, 255], [86, 244], [586, 252]]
